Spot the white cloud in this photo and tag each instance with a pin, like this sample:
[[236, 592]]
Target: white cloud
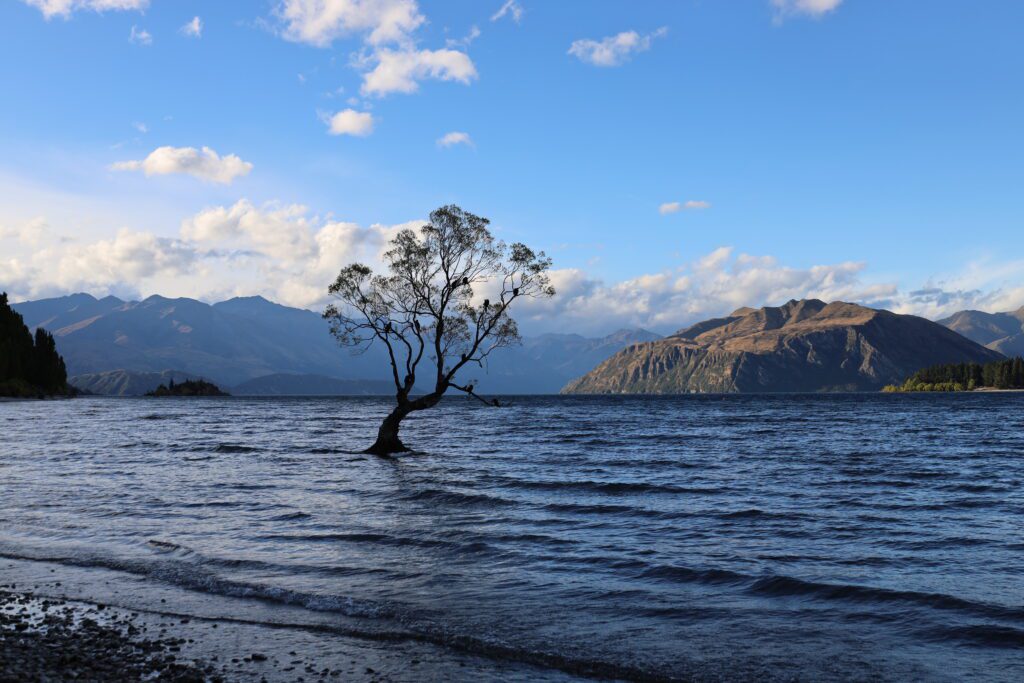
[[814, 8], [392, 62], [278, 250], [280, 232], [614, 50], [116, 265], [141, 127], [289, 254], [64, 8], [511, 9], [474, 33], [321, 22], [675, 207], [205, 164], [351, 122], [294, 254], [710, 286], [33, 233], [140, 36], [401, 71], [193, 29], [455, 138]]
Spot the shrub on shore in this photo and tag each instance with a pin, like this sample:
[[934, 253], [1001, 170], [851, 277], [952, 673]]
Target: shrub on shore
[[1003, 374]]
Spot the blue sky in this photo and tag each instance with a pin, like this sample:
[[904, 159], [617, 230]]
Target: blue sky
[[854, 149]]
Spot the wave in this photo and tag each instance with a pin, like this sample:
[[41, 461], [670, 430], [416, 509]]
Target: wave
[[400, 624], [689, 575], [377, 539], [756, 513], [456, 498], [291, 517], [983, 635], [234, 448], [777, 586], [611, 487], [785, 586]]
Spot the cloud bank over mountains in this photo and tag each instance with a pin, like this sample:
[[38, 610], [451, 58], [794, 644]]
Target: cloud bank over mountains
[[290, 254]]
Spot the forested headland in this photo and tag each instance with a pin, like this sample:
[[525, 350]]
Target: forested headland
[[30, 366], [1003, 374]]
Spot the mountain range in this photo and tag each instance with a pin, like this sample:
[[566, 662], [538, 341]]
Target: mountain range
[[1002, 332], [253, 346], [805, 346]]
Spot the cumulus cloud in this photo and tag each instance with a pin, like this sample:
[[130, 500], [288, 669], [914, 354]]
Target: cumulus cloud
[[64, 8], [614, 50], [288, 253], [140, 36], [193, 29], [813, 8], [282, 251], [712, 285], [350, 122], [321, 22], [401, 70], [455, 138], [295, 253], [114, 265], [205, 164], [676, 207], [511, 9], [391, 62]]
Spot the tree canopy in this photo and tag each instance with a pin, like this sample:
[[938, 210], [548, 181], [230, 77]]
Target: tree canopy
[[445, 297], [1001, 374]]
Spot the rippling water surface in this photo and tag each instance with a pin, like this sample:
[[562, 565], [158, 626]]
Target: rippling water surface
[[819, 537]]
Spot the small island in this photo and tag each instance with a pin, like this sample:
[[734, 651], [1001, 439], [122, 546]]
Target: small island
[[197, 387], [1003, 375]]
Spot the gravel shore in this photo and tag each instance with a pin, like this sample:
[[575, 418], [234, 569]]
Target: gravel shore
[[47, 640]]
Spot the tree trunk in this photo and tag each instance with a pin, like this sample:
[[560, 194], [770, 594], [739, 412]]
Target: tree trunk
[[387, 436]]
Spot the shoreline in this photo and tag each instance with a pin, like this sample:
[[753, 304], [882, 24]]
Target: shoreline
[[56, 619], [51, 639]]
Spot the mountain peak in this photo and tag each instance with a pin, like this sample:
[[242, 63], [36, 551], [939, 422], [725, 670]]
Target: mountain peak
[[803, 345]]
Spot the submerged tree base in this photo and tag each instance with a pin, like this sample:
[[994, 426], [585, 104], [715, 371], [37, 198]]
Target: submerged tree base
[[389, 447]]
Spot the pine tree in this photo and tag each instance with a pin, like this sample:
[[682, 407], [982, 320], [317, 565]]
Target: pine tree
[[28, 368]]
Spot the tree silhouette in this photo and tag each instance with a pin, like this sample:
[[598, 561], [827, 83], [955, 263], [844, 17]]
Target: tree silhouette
[[28, 367], [425, 307]]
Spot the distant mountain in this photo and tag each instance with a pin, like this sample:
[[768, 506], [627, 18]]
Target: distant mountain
[[802, 346], [229, 342], [543, 364], [126, 382], [1002, 332], [281, 384], [243, 339]]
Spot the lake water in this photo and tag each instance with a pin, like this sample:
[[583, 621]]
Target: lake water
[[836, 537]]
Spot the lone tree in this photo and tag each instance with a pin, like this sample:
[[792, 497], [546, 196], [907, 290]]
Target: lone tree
[[424, 307]]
